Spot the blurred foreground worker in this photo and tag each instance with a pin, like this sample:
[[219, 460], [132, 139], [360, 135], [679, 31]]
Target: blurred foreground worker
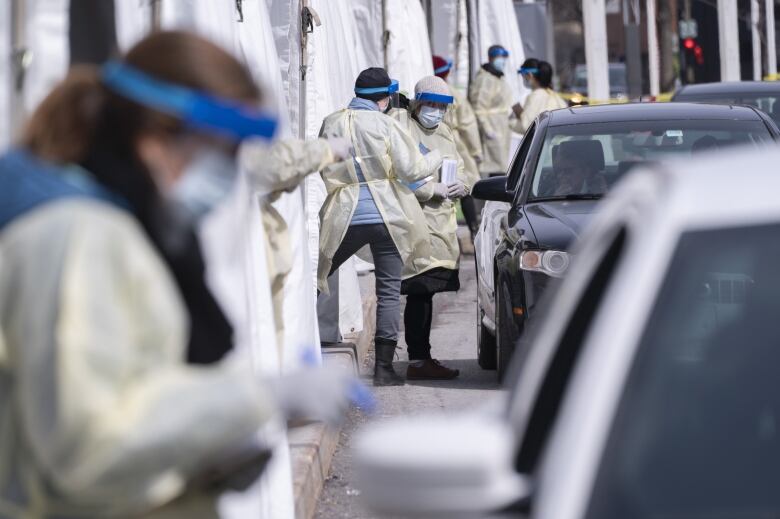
[[371, 202], [461, 119], [101, 293], [491, 98], [537, 75], [424, 123]]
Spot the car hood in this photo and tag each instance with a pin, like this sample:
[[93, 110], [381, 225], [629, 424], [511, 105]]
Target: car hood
[[556, 224]]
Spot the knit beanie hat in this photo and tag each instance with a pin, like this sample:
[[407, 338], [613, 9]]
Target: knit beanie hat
[[434, 89], [372, 78], [441, 67]]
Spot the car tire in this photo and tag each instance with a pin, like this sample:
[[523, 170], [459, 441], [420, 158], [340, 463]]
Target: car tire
[[486, 344], [505, 345]]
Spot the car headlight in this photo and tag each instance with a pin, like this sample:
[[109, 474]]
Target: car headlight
[[551, 262]]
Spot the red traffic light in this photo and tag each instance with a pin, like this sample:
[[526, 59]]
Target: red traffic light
[[689, 43]]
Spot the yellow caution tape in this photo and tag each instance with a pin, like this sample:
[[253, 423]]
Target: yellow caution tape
[[578, 99], [772, 77]]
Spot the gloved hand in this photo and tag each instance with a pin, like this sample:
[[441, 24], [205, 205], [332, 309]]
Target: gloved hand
[[341, 148], [490, 136], [517, 108], [439, 191], [457, 190], [317, 393]]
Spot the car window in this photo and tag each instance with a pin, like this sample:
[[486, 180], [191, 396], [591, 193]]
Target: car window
[[586, 160], [520, 158], [697, 431], [558, 372]]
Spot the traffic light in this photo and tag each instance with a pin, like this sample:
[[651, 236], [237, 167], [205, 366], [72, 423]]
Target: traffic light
[[698, 54], [689, 43]]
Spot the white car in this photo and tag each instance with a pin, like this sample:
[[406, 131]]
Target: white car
[[652, 390]]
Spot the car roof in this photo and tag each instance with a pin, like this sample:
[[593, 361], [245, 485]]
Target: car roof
[[650, 111], [730, 87], [725, 188]]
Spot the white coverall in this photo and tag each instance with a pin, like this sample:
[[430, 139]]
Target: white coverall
[[491, 98], [390, 160], [99, 414], [538, 101]]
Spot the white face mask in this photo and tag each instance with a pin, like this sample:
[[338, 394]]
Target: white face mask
[[499, 64], [207, 180], [430, 117]]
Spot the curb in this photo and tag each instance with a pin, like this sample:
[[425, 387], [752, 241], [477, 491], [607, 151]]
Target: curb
[[312, 446]]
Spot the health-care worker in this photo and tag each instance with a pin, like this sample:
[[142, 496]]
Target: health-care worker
[[491, 97], [463, 123], [371, 202], [102, 298], [537, 75], [425, 124]]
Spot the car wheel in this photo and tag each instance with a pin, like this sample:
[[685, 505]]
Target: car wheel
[[505, 345]]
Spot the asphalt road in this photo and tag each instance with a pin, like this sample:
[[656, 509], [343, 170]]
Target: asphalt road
[[454, 343]]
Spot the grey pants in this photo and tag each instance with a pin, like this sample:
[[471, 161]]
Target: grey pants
[[388, 266]]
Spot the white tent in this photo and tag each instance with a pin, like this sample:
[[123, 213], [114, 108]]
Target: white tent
[[394, 35], [449, 38], [6, 75]]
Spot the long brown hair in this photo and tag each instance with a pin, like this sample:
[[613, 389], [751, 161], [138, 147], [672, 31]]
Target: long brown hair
[[82, 122]]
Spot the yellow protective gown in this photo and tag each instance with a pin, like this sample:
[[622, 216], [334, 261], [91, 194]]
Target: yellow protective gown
[[390, 160], [273, 170], [538, 101], [491, 98], [463, 123], [440, 215], [99, 414]]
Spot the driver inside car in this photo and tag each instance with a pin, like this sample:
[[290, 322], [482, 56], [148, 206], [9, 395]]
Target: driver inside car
[[578, 167]]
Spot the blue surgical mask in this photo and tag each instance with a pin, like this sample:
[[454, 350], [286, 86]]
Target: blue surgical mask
[[206, 181], [430, 117], [499, 64]]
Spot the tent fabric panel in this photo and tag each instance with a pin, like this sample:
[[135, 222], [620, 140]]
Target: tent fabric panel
[[6, 76], [409, 50]]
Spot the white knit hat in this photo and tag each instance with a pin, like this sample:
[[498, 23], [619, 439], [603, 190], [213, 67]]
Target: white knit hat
[[432, 85]]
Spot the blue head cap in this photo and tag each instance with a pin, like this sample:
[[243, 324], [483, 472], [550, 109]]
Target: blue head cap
[[496, 51], [392, 88], [201, 111]]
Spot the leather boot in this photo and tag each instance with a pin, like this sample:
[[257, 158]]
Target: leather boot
[[431, 369], [384, 374]]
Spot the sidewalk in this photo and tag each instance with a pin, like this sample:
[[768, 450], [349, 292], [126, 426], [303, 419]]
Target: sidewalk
[[312, 446]]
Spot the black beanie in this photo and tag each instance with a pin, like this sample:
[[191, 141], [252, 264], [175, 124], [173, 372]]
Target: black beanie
[[373, 77]]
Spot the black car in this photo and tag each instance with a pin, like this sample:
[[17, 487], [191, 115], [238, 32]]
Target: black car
[[764, 95], [567, 161]]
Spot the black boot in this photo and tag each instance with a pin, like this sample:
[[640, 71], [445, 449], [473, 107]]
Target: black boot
[[384, 374]]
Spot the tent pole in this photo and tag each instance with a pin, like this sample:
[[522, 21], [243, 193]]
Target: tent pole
[[594, 21], [20, 62], [771, 50], [755, 39], [728, 32], [652, 50]]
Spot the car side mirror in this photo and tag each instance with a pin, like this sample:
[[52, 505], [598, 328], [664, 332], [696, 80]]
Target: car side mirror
[[492, 189], [458, 466]]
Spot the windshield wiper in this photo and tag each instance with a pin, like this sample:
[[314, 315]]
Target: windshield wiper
[[566, 197]]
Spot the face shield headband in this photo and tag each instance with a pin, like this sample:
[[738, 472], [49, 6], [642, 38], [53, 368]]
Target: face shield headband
[[201, 111], [498, 52], [392, 88], [444, 68], [434, 98], [528, 70]]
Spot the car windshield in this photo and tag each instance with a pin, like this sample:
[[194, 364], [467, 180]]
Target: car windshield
[[697, 431], [767, 103], [586, 160]]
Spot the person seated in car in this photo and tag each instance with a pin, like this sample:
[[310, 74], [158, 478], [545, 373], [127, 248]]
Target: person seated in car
[[578, 166]]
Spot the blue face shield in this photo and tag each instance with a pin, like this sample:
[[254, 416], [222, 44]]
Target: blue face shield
[[221, 117]]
